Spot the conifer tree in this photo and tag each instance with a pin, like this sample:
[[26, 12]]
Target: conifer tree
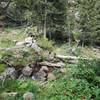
[[88, 20]]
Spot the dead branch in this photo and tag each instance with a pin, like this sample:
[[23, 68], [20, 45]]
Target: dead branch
[[49, 64]]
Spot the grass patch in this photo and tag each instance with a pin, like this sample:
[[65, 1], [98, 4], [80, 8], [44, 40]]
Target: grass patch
[[2, 67]]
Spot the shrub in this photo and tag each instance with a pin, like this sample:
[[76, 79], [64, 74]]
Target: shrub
[[45, 43], [87, 70], [27, 85]]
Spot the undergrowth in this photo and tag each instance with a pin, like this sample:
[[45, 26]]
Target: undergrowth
[[79, 83]]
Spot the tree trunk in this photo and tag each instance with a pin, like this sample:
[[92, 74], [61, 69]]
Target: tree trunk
[[45, 20]]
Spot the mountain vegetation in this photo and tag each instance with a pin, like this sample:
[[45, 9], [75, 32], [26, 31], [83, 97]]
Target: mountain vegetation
[[49, 50]]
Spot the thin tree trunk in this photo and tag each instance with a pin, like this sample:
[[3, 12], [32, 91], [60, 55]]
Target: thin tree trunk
[[45, 20], [68, 25]]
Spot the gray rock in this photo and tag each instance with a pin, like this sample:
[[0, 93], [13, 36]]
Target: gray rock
[[50, 56], [63, 70], [44, 68], [51, 77], [28, 96], [28, 41], [8, 73], [27, 71], [41, 76]]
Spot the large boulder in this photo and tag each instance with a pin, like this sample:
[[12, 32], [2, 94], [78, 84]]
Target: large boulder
[[27, 71], [40, 75], [44, 68]]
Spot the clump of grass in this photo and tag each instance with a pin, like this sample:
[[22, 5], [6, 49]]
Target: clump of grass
[[6, 42], [2, 67], [7, 29]]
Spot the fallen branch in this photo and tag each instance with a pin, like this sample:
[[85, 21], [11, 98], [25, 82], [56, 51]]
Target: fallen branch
[[72, 57], [49, 64]]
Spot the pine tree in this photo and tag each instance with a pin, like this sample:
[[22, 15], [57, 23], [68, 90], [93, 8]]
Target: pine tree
[[88, 20], [57, 18], [96, 36]]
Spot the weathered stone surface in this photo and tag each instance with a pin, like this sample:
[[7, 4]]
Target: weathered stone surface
[[63, 70], [29, 41], [50, 56], [28, 96], [21, 43], [27, 71], [36, 47], [41, 75], [51, 77], [44, 68], [8, 73]]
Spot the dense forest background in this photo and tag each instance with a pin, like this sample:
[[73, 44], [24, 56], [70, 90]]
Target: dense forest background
[[66, 20]]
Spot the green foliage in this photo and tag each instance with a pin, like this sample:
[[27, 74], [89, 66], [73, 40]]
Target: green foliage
[[27, 86], [2, 67], [88, 23], [19, 86], [8, 86], [8, 29], [2, 17], [63, 88], [88, 70], [45, 43], [76, 35], [68, 89], [19, 57], [7, 55], [6, 42]]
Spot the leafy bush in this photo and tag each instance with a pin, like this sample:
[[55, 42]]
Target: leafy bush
[[45, 43], [88, 70]]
